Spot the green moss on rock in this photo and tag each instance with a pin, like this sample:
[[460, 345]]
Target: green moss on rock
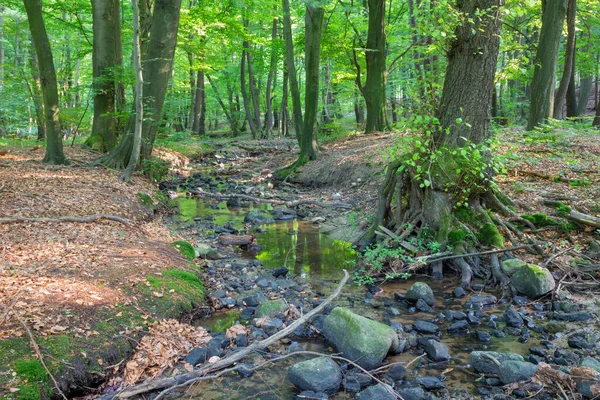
[[186, 249], [490, 236], [533, 281], [270, 308]]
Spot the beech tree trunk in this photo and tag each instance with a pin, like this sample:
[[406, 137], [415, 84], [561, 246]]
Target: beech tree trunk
[[246, 99], [584, 95], [105, 17], [1, 48], [54, 145], [542, 85], [291, 70], [313, 29], [36, 93], [269, 120], [569, 65], [374, 88], [157, 63]]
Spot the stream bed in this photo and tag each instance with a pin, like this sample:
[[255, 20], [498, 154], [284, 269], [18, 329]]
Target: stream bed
[[315, 263]]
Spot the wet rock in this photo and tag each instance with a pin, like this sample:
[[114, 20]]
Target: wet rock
[[397, 327], [354, 381], [280, 272], [486, 362], [511, 371], [376, 392], [219, 294], [374, 289], [533, 281], [423, 306], [309, 394], [241, 340], [437, 351], [228, 302], [473, 319], [319, 374], [420, 290], [513, 318], [459, 292], [579, 342], [509, 267], [483, 336], [234, 202], [270, 308], [591, 362], [481, 301], [520, 300], [362, 340], [244, 370], [398, 296], [458, 326], [254, 217], [478, 287], [393, 311], [196, 356], [425, 327], [572, 317], [414, 393], [397, 372], [454, 315], [538, 351], [247, 313], [294, 347], [272, 325], [431, 382]]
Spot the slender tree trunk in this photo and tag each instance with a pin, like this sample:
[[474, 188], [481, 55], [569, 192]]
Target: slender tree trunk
[[17, 44], [569, 66], [291, 69], [542, 85], [596, 121], [585, 89], [200, 106], [119, 85], [105, 16], [272, 65], [313, 30], [54, 146], [249, 118], [254, 95], [284, 115], [374, 88], [192, 78], [139, 92], [226, 111], [36, 94], [571, 97], [1, 48]]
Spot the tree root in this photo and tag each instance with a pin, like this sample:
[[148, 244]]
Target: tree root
[[201, 373], [290, 204]]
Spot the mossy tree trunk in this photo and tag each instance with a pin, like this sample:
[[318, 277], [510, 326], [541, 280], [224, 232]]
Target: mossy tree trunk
[[157, 63], [54, 145], [291, 70], [569, 65], [542, 85], [374, 88], [465, 113]]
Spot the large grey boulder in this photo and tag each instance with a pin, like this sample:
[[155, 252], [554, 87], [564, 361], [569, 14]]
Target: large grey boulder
[[512, 371], [533, 281], [487, 362], [319, 374], [359, 339], [420, 290]]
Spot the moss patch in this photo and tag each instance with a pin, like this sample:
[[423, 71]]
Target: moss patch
[[174, 292], [186, 249], [490, 236]]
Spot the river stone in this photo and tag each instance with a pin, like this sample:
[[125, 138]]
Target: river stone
[[362, 340], [513, 371], [509, 267], [591, 362], [413, 393], [431, 382], [376, 392], [481, 301], [270, 308], [426, 327], [533, 281], [437, 351], [483, 361], [320, 374], [420, 290], [513, 318], [458, 326]]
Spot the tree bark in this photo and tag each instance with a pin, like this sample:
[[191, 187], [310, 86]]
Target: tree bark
[[200, 105], [1, 48], [54, 146], [254, 94], [596, 121], [312, 47], [119, 86], [569, 65], [542, 85], [571, 97], [227, 111], [272, 65], [247, 109], [36, 94], [139, 93], [584, 95], [104, 58], [291, 69], [374, 88], [157, 62]]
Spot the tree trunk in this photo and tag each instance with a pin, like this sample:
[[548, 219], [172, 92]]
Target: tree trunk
[[157, 62], [542, 85], [571, 97], [291, 69], [569, 67], [192, 79], [312, 47], [249, 118], [283, 118], [119, 86], [200, 106], [54, 146], [36, 94], [269, 120], [1, 48], [584, 95], [139, 93], [104, 64], [596, 121], [374, 88], [254, 95], [228, 112]]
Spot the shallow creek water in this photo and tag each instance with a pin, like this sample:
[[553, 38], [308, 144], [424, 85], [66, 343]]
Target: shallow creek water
[[300, 246]]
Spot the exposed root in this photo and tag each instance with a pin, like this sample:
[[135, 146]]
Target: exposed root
[[465, 268], [499, 276]]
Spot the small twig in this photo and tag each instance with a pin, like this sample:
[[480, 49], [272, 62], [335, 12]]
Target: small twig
[[41, 358], [560, 253], [480, 253]]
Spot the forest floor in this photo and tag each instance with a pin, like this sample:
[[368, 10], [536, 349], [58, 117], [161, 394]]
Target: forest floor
[[85, 291], [88, 291]]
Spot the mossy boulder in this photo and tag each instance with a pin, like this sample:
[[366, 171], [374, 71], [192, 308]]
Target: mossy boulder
[[420, 290], [488, 362], [359, 339], [270, 308], [512, 371], [533, 281], [509, 267]]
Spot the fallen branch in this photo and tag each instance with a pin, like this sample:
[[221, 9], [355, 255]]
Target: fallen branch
[[236, 240], [290, 204], [479, 253], [91, 218], [584, 219], [198, 374], [41, 358]]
